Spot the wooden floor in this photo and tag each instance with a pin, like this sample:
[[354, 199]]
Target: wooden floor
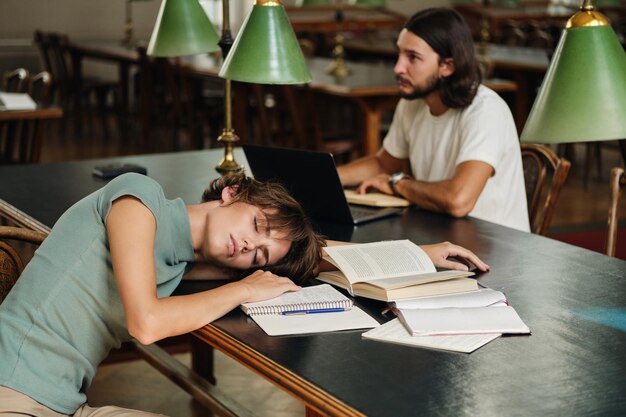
[[134, 384]]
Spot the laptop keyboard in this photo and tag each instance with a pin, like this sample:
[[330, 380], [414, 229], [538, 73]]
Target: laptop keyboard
[[362, 212]]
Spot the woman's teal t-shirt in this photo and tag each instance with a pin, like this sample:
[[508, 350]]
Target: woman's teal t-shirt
[[65, 313]]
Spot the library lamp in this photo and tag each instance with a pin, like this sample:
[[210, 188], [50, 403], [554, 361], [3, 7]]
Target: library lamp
[[266, 51], [583, 95], [182, 28]]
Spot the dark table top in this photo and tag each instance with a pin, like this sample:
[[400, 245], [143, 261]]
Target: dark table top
[[573, 300]]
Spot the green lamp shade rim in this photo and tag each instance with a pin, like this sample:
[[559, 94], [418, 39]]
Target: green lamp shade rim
[[266, 50], [583, 95]]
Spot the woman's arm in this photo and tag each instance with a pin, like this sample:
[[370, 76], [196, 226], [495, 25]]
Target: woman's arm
[[131, 229]]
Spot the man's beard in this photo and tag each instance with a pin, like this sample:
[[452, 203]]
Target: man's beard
[[433, 84]]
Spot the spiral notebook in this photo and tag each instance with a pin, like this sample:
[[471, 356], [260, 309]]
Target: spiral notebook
[[316, 309]]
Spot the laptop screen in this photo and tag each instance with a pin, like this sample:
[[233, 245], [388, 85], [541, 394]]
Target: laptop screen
[[310, 176]]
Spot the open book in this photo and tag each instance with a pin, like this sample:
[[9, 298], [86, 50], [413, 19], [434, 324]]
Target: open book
[[316, 309], [390, 271]]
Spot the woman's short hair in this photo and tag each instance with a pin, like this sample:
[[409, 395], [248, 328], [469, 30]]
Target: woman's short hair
[[283, 214], [447, 33]]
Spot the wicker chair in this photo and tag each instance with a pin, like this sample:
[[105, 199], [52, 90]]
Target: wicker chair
[[544, 175]]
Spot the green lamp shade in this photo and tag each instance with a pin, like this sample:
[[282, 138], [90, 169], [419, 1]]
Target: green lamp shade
[[266, 50], [583, 95], [182, 28]]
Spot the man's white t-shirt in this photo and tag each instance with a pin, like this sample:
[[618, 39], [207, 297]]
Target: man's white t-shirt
[[483, 131]]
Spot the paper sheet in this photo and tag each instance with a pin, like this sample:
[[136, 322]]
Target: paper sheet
[[394, 332]]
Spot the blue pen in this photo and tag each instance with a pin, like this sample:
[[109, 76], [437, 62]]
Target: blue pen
[[313, 311]]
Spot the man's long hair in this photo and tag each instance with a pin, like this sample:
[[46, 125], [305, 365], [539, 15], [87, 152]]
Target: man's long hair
[[447, 33]]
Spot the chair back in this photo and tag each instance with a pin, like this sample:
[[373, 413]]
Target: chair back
[[618, 180], [11, 263], [14, 81], [39, 87], [544, 175]]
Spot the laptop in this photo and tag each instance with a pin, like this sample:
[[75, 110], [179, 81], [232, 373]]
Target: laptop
[[311, 178]]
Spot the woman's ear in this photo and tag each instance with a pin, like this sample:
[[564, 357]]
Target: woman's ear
[[229, 193]]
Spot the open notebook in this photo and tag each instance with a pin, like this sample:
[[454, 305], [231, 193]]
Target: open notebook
[[316, 309]]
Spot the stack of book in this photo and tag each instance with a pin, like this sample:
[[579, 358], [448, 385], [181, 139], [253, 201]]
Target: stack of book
[[441, 310]]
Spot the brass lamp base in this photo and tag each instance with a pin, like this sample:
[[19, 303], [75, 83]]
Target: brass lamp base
[[338, 67], [228, 165]]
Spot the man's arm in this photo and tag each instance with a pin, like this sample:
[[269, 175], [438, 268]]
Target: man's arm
[[369, 166], [456, 196]]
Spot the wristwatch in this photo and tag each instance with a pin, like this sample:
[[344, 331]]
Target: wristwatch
[[395, 178]]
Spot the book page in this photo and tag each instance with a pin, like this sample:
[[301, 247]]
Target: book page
[[370, 261], [277, 325], [394, 332], [318, 296]]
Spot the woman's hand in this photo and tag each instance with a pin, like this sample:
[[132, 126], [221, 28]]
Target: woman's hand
[[263, 285], [440, 252]]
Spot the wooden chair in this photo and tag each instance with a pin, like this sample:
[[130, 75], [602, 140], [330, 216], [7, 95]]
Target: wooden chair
[[12, 265], [13, 81], [544, 175], [167, 102], [21, 140], [618, 180], [57, 60]]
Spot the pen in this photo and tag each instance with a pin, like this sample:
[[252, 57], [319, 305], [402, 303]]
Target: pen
[[314, 311]]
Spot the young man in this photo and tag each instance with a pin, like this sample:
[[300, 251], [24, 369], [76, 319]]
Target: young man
[[457, 135], [105, 273]]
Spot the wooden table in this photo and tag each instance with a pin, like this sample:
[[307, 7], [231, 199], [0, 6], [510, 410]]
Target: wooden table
[[21, 133], [322, 19], [573, 300], [40, 113]]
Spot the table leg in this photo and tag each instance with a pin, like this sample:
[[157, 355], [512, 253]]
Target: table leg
[[124, 77], [202, 360], [372, 115], [372, 108]]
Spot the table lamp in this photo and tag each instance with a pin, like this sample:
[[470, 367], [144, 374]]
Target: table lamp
[[583, 95], [182, 28], [266, 51]]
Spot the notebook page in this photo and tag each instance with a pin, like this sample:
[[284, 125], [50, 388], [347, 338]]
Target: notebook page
[[318, 296], [278, 325]]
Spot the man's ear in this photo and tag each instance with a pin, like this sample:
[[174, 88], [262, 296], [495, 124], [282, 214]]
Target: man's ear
[[229, 193], [446, 67]]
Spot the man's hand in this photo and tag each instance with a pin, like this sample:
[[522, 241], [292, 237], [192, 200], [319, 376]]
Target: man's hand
[[263, 285], [440, 252], [379, 182]]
